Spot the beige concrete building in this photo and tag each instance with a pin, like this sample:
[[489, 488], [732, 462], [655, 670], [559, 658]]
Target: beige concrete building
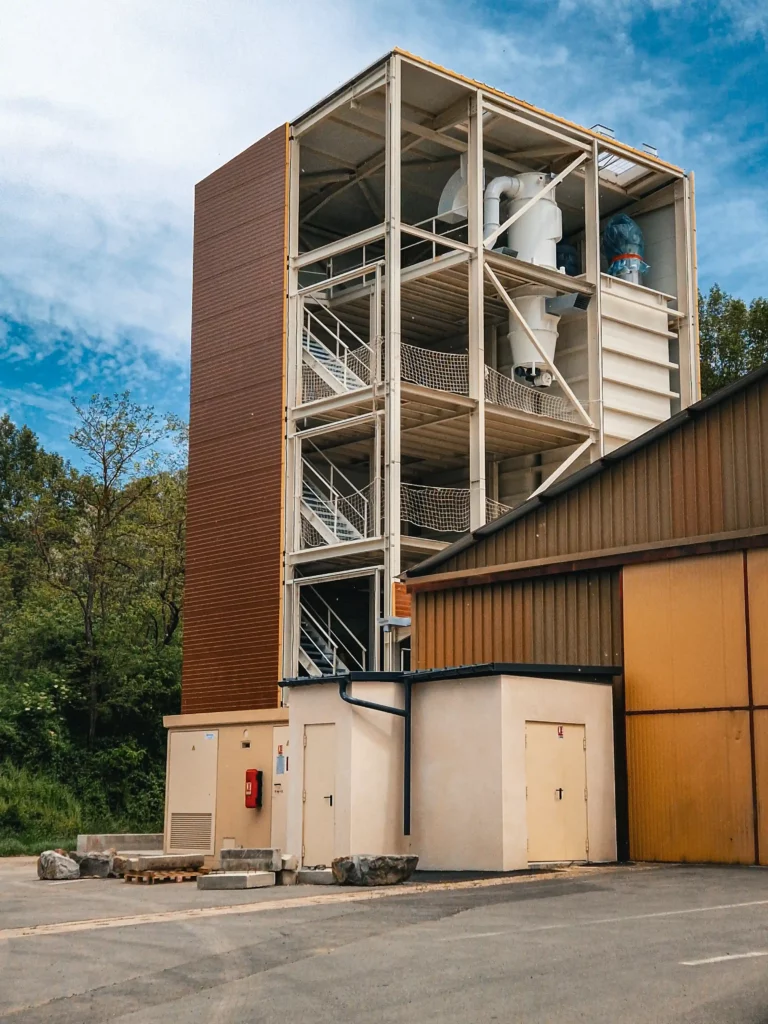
[[507, 766]]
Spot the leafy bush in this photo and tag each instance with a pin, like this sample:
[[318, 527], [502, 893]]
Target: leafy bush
[[36, 811]]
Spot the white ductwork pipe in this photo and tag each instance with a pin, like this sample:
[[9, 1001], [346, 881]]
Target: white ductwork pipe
[[504, 186], [534, 237]]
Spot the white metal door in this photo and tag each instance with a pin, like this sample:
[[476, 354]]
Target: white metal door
[[319, 788], [192, 771], [556, 791]]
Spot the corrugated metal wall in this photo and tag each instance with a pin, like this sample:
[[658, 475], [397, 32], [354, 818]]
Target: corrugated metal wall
[[571, 619], [706, 477], [695, 672], [234, 519]]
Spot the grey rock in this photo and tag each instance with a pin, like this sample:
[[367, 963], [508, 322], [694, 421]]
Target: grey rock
[[236, 880], [315, 876], [96, 865], [289, 862], [374, 869], [56, 866], [247, 859]]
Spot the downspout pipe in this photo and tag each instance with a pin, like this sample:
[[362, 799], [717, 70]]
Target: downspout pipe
[[404, 713], [498, 187]]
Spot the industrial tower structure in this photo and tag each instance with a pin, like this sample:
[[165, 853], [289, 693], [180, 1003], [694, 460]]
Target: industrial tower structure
[[404, 324]]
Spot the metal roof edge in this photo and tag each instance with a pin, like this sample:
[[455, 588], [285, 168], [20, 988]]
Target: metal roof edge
[[344, 85], [663, 165], [594, 469], [539, 670]]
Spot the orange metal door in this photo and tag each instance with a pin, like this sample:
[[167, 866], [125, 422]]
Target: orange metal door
[[556, 791]]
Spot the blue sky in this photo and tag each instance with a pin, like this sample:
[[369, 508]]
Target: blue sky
[[110, 112]]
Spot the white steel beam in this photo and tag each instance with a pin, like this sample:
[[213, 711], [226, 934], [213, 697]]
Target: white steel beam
[[349, 275], [392, 348], [289, 631], [372, 81], [594, 310], [336, 425], [685, 247], [534, 199], [430, 236], [538, 126], [476, 318], [565, 464], [537, 345], [324, 252]]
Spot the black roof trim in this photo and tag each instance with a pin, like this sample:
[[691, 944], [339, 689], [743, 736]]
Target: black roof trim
[[570, 673], [576, 479]]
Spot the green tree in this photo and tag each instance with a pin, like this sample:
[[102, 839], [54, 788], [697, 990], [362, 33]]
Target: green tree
[[733, 337], [91, 616]]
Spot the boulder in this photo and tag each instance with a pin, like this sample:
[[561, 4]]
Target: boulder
[[120, 865], [56, 866], [379, 869], [95, 865]]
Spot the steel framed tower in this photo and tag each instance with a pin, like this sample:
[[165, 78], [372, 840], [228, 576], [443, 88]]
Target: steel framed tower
[[423, 230]]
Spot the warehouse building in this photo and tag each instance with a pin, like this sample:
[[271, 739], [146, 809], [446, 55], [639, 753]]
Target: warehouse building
[[652, 559]]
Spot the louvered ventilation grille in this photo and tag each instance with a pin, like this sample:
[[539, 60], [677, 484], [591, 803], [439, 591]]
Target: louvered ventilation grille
[[190, 831]]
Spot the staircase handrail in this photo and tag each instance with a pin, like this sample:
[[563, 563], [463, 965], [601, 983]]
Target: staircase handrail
[[332, 613], [336, 494], [344, 352], [326, 636]]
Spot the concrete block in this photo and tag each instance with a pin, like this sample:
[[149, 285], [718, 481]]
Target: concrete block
[[166, 862], [251, 859], [120, 841], [287, 877], [289, 862], [236, 880], [316, 876]]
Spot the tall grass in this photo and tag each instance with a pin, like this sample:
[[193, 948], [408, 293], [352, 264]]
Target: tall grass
[[36, 812]]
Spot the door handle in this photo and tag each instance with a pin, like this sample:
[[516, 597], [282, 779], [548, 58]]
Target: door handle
[[559, 793], [329, 797]]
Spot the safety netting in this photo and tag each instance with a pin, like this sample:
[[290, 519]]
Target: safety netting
[[442, 371], [502, 390], [442, 509]]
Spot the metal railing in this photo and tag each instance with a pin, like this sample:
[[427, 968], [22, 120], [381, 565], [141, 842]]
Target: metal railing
[[438, 227], [354, 652], [352, 505]]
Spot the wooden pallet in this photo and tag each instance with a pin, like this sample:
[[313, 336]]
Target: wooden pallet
[[150, 877]]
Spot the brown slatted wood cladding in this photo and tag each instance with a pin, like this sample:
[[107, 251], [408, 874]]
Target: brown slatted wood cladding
[[234, 518]]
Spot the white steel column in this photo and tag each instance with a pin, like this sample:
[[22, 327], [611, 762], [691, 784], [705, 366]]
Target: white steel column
[[392, 353], [594, 310], [476, 319], [687, 294], [292, 465]]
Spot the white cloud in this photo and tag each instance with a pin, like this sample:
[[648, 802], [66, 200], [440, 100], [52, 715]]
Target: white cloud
[[110, 112]]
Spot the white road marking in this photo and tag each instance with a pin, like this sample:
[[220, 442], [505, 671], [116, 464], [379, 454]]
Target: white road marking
[[471, 935], [642, 917], [719, 959]]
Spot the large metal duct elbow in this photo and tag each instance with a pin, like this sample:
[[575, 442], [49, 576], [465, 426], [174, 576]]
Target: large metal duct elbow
[[498, 187]]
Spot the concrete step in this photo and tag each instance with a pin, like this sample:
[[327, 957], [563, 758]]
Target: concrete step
[[236, 880], [315, 876], [250, 859]]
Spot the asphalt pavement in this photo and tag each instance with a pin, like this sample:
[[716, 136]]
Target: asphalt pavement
[[657, 944]]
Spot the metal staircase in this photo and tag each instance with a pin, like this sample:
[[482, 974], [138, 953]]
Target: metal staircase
[[327, 646], [342, 366], [331, 504], [324, 514]]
